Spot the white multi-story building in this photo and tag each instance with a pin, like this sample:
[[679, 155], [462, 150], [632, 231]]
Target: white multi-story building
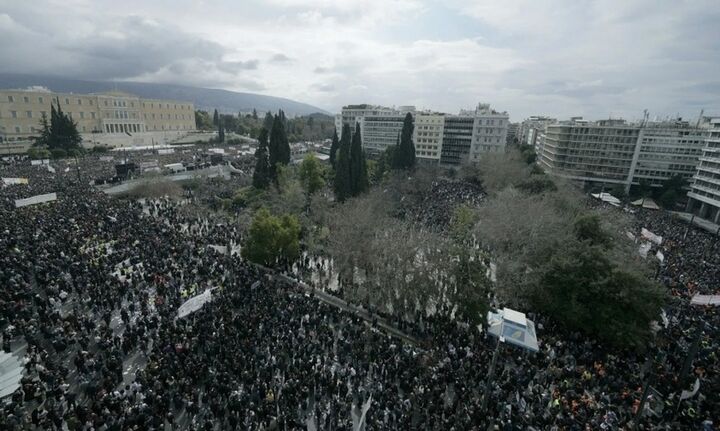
[[531, 129], [467, 135], [612, 152], [428, 135], [704, 195]]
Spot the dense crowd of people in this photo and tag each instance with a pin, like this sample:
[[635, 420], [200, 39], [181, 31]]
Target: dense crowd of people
[[90, 288]]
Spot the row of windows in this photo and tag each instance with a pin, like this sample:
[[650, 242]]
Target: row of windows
[[115, 102], [115, 114]]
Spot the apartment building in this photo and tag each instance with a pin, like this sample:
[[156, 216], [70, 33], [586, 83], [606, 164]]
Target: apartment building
[[704, 195], [531, 129], [428, 135], [111, 113], [473, 133], [467, 135], [612, 152]]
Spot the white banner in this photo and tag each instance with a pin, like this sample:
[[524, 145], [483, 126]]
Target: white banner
[[705, 300], [660, 256], [194, 304], [689, 394], [39, 199], [651, 236], [40, 162], [9, 181], [644, 249]]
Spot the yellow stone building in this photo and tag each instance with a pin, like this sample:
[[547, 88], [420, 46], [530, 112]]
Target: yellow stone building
[[111, 113]]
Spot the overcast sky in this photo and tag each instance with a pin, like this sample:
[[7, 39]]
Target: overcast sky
[[562, 58]]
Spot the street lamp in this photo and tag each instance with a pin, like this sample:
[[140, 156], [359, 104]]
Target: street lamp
[[508, 326]]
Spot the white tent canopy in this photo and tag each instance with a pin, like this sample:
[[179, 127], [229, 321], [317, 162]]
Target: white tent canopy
[[646, 203], [513, 327], [11, 369], [607, 197]]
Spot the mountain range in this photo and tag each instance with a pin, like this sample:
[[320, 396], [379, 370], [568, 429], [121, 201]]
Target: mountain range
[[203, 98]]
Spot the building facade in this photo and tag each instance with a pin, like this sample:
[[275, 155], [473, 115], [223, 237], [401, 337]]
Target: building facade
[[704, 195], [467, 136], [428, 135], [111, 113], [613, 152]]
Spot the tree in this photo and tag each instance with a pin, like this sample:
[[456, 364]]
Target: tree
[[358, 167], [261, 175], [311, 174], [254, 114], [272, 239], [279, 145], [268, 121], [343, 182], [63, 133], [498, 171], [405, 153], [216, 119], [334, 148], [45, 133], [203, 121], [221, 131]]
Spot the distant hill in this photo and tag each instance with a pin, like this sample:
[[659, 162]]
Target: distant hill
[[204, 98]]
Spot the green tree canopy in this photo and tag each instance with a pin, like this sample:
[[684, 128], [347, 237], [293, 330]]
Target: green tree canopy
[[358, 166], [272, 238], [311, 174]]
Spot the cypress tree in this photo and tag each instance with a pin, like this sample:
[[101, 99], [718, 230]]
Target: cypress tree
[[254, 114], [44, 138], [406, 149], [358, 171], [342, 172], [216, 119], [261, 176], [268, 121], [221, 130], [333, 149]]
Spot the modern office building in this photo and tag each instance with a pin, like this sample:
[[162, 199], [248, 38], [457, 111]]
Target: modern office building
[[472, 133], [512, 135], [112, 113], [704, 195], [457, 139], [612, 152]]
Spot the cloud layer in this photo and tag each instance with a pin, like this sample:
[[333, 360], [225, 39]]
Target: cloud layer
[[562, 58]]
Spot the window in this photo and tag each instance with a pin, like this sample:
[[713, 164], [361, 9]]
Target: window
[[92, 115], [79, 101], [43, 113], [26, 99], [29, 114], [82, 115], [13, 114], [132, 104], [40, 100], [11, 99], [67, 101], [17, 129], [90, 102]]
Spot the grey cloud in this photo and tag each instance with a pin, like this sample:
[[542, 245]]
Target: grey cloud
[[280, 58], [321, 70], [118, 48]]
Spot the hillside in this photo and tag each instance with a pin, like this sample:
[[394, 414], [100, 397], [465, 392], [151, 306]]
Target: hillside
[[203, 98]]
